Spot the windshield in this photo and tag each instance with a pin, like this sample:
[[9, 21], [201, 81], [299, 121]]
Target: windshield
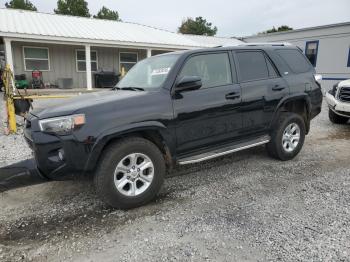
[[149, 73]]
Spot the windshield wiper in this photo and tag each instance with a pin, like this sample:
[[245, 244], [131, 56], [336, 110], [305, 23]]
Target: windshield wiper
[[132, 88]]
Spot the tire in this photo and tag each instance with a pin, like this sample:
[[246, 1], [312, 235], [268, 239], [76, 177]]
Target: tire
[[114, 170], [283, 146], [337, 119]]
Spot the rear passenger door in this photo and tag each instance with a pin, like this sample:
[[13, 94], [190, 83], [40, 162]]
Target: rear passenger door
[[262, 89]]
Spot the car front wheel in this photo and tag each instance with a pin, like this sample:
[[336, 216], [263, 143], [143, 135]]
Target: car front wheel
[[130, 173]]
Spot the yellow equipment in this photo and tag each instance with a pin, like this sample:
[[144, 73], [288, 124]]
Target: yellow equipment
[[10, 95]]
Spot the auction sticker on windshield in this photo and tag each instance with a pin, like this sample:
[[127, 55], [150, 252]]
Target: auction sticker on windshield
[[160, 71]]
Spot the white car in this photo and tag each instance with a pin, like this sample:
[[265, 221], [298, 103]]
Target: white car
[[338, 100]]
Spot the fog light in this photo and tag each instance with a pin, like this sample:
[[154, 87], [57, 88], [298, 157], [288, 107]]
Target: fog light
[[61, 154]]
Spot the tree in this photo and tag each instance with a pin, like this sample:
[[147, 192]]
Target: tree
[[106, 13], [72, 7], [279, 29], [21, 4], [199, 26]]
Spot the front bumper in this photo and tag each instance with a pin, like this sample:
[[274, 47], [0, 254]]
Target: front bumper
[[338, 107], [57, 157]]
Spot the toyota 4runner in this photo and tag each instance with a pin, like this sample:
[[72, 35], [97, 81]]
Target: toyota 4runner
[[178, 108]]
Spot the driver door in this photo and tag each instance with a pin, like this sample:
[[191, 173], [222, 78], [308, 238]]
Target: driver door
[[211, 114]]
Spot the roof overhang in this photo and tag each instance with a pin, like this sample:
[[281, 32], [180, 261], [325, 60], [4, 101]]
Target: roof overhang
[[93, 42]]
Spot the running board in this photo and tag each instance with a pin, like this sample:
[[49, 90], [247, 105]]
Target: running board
[[224, 151]]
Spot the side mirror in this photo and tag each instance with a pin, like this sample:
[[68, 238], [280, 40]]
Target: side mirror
[[188, 83]]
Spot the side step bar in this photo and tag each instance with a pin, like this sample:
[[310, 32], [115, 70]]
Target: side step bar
[[20, 174], [224, 151]]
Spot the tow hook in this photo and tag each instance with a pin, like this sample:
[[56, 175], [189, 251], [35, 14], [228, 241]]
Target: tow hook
[[20, 174]]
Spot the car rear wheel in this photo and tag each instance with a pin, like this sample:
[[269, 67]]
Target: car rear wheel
[[130, 173], [287, 137], [337, 119]]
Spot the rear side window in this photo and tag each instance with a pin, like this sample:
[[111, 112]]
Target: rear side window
[[213, 69], [295, 60], [252, 65], [272, 71]]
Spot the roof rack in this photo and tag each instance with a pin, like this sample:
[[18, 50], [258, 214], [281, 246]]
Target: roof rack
[[267, 43]]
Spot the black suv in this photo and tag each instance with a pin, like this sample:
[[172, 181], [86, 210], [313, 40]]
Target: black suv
[[178, 108]]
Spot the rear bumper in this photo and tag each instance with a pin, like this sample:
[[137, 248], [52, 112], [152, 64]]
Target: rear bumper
[[316, 98], [338, 107]]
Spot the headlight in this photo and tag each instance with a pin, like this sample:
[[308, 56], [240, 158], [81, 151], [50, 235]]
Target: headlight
[[62, 125], [333, 91]]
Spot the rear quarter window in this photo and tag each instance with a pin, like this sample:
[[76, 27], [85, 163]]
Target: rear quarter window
[[295, 60]]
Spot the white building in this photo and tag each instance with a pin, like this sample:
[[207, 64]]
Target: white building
[[327, 47]]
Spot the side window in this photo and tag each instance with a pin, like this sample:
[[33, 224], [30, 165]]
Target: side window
[[213, 69], [252, 65], [272, 71], [311, 50], [295, 60]]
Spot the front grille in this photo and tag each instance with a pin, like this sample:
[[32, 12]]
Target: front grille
[[344, 94]]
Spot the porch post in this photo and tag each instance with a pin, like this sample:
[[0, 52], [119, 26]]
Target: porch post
[[88, 67], [149, 52], [8, 54]]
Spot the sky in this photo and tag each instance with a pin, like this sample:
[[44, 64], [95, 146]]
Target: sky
[[232, 17]]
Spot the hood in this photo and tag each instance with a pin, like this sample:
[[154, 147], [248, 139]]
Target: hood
[[80, 102], [344, 83]]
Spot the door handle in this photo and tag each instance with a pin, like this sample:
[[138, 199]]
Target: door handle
[[278, 88], [233, 95]]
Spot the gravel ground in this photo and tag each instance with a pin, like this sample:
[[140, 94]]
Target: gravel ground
[[243, 207]]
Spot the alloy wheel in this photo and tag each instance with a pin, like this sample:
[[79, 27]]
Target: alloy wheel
[[134, 174], [291, 137]]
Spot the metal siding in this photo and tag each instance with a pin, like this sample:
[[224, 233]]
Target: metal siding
[[63, 62]]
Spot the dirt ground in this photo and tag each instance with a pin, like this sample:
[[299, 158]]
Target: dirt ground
[[242, 207]]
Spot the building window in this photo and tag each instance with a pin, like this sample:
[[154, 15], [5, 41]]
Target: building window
[[81, 61], [127, 60], [311, 49], [36, 58]]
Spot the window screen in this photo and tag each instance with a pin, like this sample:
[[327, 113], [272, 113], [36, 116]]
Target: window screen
[[36, 58], [213, 69], [295, 60], [311, 49], [81, 61], [127, 61], [252, 65]]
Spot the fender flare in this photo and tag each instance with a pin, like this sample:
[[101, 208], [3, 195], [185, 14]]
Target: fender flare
[[104, 138], [301, 96]]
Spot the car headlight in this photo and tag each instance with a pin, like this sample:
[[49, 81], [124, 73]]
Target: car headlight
[[62, 125], [333, 91]]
